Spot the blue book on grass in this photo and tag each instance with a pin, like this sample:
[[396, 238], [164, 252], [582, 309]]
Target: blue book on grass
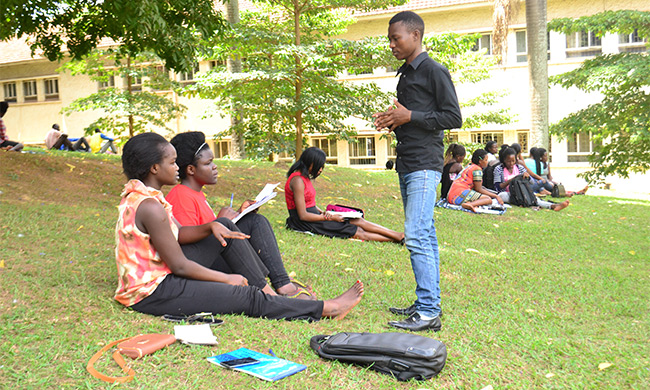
[[269, 368]]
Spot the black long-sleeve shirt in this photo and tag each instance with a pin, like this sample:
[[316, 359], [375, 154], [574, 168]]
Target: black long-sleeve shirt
[[425, 88]]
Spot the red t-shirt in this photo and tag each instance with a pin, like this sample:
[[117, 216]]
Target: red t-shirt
[[189, 207], [310, 193]]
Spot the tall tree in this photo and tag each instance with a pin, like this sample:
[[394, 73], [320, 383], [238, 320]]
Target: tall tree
[[619, 123], [290, 58], [283, 98], [537, 42], [238, 151], [130, 110], [168, 28]]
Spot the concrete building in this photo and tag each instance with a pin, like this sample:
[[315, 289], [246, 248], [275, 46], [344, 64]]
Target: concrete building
[[38, 91]]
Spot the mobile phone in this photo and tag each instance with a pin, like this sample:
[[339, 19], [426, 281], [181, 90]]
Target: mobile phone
[[239, 362]]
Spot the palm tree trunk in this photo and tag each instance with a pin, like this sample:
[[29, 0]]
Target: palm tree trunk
[[233, 64], [537, 41]]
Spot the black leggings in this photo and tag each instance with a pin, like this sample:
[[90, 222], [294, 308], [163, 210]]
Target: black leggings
[[265, 245], [237, 257], [177, 295], [180, 296]]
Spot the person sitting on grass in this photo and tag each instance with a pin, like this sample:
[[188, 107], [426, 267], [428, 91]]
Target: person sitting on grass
[[508, 170], [196, 165], [536, 181], [453, 164], [538, 163], [5, 144], [100, 143], [304, 216], [55, 139], [156, 277], [467, 190], [491, 148]]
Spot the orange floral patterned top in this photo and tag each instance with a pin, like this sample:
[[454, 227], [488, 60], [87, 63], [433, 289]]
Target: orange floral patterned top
[[139, 267]]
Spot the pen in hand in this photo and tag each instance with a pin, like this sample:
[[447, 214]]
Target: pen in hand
[[232, 195]]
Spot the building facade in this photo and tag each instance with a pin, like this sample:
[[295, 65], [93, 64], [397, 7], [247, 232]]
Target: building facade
[[37, 90]]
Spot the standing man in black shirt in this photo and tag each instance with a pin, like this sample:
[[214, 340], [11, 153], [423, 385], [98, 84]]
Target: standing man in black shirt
[[426, 105]]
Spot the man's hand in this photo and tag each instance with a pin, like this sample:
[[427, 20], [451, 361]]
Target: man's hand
[[498, 198], [393, 117], [221, 233]]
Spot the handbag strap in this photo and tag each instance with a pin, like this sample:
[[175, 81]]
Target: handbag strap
[[117, 356]]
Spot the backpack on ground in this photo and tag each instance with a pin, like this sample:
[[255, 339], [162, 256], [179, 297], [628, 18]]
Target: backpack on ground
[[403, 355], [488, 176], [558, 191], [521, 193]]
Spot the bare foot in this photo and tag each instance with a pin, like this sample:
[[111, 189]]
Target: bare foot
[[560, 206], [583, 191], [340, 306], [469, 207]]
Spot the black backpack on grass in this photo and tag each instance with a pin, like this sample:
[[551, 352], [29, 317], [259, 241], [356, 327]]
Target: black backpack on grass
[[488, 176], [403, 355], [521, 193]]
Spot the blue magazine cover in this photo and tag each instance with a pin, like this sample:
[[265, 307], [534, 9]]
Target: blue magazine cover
[[269, 368]]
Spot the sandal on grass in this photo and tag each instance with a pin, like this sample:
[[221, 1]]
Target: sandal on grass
[[206, 318], [300, 294], [300, 285]]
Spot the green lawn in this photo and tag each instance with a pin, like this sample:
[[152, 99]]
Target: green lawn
[[532, 299]]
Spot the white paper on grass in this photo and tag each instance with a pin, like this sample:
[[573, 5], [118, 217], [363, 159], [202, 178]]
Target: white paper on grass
[[195, 334]]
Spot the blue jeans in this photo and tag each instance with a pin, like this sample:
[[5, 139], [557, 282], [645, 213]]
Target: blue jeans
[[537, 185], [419, 197]]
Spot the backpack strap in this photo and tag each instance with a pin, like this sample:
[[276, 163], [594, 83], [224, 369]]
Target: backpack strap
[[117, 356]]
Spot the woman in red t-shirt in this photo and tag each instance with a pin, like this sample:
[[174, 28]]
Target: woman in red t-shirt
[[467, 190], [304, 216]]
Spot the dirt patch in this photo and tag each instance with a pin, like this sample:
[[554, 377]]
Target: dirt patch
[[56, 179]]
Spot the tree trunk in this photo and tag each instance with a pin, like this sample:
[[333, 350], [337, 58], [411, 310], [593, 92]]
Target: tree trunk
[[537, 41], [129, 90], [298, 85], [233, 64]]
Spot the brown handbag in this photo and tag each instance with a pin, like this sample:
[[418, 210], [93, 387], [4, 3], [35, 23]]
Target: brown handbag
[[133, 347]]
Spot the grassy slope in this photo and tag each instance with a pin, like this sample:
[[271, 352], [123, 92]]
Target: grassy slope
[[547, 298]]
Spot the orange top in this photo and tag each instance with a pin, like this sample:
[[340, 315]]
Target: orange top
[[139, 267]]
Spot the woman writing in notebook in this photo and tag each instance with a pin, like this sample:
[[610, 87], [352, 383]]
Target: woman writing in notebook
[[304, 216], [196, 166], [156, 277]]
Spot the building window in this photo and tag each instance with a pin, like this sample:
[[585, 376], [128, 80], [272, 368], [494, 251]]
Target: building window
[[136, 83], [580, 146], [631, 43], [362, 152], [10, 92], [483, 137], [51, 89], [29, 90], [188, 77], [522, 139], [108, 82], [522, 46], [583, 44], [484, 42], [329, 147], [222, 148]]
